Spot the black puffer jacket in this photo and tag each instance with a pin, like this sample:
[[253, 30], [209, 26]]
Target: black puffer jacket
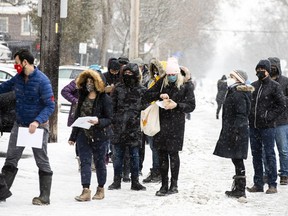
[[283, 81], [234, 135], [267, 103], [7, 111]]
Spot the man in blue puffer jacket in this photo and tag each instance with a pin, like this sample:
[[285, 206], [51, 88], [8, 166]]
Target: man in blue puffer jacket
[[34, 105]]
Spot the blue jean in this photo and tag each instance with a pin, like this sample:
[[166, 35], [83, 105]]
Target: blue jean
[[155, 155], [263, 139], [99, 151], [119, 151]]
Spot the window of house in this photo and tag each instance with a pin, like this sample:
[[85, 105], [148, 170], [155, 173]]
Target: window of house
[[26, 27], [3, 24]]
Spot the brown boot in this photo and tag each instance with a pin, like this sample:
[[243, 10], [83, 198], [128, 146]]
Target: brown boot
[[271, 190], [99, 194], [283, 180], [255, 189], [85, 196]]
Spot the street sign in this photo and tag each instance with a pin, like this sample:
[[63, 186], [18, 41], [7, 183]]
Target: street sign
[[82, 48]]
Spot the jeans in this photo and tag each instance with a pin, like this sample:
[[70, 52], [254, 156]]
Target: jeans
[[263, 139], [118, 160], [99, 151], [155, 155]]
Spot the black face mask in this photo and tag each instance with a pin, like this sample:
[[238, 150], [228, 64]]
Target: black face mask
[[274, 72], [129, 80], [260, 74]]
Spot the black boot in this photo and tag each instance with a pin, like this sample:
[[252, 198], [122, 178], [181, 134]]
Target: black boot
[[135, 185], [148, 179], [164, 188], [4, 191], [45, 181], [173, 187], [9, 173], [116, 183], [238, 187]]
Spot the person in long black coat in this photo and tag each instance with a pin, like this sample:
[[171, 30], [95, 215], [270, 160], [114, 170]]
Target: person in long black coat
[[234, 135], [178, 99], [221, 92]]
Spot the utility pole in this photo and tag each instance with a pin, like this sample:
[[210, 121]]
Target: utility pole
[[134, 29], [50, 53]]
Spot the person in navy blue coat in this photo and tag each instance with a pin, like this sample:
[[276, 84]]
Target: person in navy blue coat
[[34, 105]]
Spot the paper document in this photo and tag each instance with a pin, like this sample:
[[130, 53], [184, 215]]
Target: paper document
[[82, 122], [160, 103], [27, 139]]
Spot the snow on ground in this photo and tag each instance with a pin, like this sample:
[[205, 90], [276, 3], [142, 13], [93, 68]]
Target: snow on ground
[[203, 179]]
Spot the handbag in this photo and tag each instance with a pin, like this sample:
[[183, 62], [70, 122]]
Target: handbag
[[149, 119]]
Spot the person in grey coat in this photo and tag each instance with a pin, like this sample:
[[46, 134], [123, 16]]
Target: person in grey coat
[[234, 135]]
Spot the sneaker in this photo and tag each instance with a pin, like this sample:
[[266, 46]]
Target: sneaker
[[255, 189], [271, 190], [283, 180]]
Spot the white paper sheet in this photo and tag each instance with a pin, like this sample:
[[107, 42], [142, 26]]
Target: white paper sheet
[[160, 103], [82, 122], [27, 139]]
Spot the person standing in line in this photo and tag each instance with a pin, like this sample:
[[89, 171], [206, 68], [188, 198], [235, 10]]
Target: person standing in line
[[126, 125], [221, 91], [268, 102], [234, 135], [281, 136], [34, 105], [93, 101], [178, 99]]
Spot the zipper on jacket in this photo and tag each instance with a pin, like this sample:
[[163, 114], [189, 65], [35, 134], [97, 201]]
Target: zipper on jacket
[[256, 104]]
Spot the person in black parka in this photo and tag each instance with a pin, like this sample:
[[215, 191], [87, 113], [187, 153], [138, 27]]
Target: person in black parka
[[221, 91], [234, 135]]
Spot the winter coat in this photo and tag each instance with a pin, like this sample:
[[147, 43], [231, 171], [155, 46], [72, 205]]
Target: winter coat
[[34, 98], [127, 108], [267, 103], [102, 107], [283, 81], [234, 135], [221, 90], [172, 122], [70, 93], [7, 111]]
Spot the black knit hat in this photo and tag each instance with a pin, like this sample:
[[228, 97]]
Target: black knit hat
[[114, 65], [264, 64], [133, 68]]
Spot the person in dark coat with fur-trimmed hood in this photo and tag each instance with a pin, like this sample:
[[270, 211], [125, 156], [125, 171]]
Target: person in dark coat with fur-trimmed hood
[[234, 135], [127, 106], [93, 101], [178, 99]]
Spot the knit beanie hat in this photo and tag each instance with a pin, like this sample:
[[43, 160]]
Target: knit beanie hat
[[133, 68], [114, 65], [265, 64], [239, 75], [172, 66]]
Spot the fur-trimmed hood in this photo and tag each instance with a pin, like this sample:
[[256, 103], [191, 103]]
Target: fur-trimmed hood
[[245, 88], [98, 81], [155, 63]]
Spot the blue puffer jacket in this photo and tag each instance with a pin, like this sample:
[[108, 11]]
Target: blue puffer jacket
[[34, 99]]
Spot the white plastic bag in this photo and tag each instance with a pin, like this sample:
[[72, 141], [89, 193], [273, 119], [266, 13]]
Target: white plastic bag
[[149, 120]]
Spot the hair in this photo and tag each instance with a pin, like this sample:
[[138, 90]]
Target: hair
[[179, 81], [25, 54]]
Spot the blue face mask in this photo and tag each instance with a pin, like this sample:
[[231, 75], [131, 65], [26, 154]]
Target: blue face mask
[[172, 78]]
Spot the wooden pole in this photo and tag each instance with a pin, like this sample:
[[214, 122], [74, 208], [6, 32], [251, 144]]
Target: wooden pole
[[134, 29]]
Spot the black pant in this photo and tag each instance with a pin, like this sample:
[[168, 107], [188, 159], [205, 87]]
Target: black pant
[[239, 167], [164, 157]]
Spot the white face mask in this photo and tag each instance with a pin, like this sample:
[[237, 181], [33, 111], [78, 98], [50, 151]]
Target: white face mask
[[230, 81]]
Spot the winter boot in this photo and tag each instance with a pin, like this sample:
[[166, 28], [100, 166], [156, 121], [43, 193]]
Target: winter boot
[[99, 194], [135, 185], [9, 173], [173, 187], [85, 195], [283, 180], [164, 188], [238, 187], [116, 183], [148, 179], [4, 191], [45, 181], [156, 176]]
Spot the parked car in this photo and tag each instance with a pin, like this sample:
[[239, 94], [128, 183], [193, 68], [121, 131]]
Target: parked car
[[5, 52], [66, 74], [6, 72]]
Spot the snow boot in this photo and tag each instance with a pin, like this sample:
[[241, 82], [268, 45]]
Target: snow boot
[[116, 183], [45, 181], [148, 179], [238, 187], [154, 176], [4, 191], [9, 173], [164, 188], [99, 194], [85, 195], [135, 185], [173, 187]]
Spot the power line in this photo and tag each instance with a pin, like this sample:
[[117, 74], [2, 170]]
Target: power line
[[243, 31]]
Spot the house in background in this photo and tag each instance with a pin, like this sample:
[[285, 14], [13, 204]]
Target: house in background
[[16, 30]]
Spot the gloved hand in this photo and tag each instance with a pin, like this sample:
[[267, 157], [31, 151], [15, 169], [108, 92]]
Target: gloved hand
[[169, 104]]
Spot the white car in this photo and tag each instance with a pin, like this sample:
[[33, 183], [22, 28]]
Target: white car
[[67, 73], [5, 52], [6, 72]]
